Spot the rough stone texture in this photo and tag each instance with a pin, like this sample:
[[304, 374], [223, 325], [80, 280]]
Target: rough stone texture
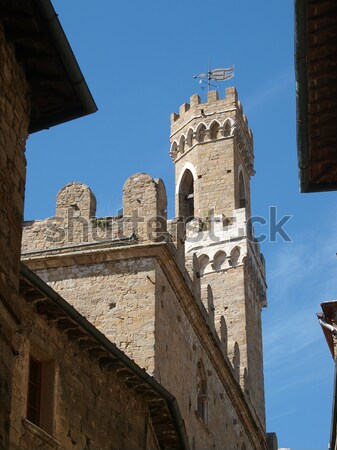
[[117, 297], [144, 198], [93, 409], [215, 159], [178, 352], [144, 217], [169, 316], [14, 121], [229, 258], [132, 302], [75, 200], [232, 265]]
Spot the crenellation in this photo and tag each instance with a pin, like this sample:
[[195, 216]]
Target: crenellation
[[213, 121], [184, 108], [196, 108], [75, 200], [175, 295], [212, 96], [194, 100]]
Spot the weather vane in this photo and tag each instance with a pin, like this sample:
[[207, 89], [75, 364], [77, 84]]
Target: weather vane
[[216, 75]]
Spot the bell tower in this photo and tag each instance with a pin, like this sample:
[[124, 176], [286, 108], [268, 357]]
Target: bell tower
[[212, 149]]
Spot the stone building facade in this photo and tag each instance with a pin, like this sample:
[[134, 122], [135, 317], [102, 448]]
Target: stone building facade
[[92, 395], [181, 297], [63, 385], [128, 332], [14, 120]]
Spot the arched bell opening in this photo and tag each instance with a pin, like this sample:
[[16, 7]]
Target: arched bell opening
[[186, 196], [242, 192]]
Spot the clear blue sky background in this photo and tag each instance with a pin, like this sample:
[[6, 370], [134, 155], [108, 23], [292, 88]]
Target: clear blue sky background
[[138, 58]]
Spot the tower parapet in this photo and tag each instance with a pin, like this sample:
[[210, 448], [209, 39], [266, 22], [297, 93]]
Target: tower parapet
[[215, 120]]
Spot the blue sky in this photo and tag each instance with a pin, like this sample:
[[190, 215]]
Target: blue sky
[[139, 59]]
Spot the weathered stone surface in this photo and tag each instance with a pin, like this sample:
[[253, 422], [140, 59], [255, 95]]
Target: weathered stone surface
[[14, 121], [174, 318], [75, 200], [213, 143], [93, 408], [179, 349], [118, 298]]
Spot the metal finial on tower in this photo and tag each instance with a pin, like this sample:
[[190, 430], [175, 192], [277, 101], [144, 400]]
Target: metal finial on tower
[[216, 75]]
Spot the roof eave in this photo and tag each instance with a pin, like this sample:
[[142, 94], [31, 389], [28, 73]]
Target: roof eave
[[74, 73], [303, 150]]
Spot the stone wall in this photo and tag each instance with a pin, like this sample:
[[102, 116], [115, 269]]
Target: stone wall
[[144, 217], [213, 142], [117, 297], [144, 199], [14, 121], [254, 384], [132, 301], [131, 281], [234, 268], [179, 350], [92, 408]]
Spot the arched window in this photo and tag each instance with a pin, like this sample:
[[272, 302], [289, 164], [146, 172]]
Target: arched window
[[190, 137], [236, 361], [219, 260], [242, 192], [174, 150], [201, 133], [203, 262], [186, 196], [202, 403], [182, 144], [214, 130], [227, 129], [235, 255]]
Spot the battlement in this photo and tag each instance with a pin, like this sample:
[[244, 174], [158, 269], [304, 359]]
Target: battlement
[[217, 119], [144, 217], [213, 105], [187, 110], [77, 231]]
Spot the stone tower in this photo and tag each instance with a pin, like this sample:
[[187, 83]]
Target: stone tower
[[212, 148]]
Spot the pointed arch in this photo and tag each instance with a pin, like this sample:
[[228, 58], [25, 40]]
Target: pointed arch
[[227, 127], [236, 361], [219, 260], [224, 334], [174, 149], [189, 138], [182, 144], [201, 133], [191, 168], [242, 200], [235, 255], [203, 263], [186, 196], [214, 130], [202, 394]]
